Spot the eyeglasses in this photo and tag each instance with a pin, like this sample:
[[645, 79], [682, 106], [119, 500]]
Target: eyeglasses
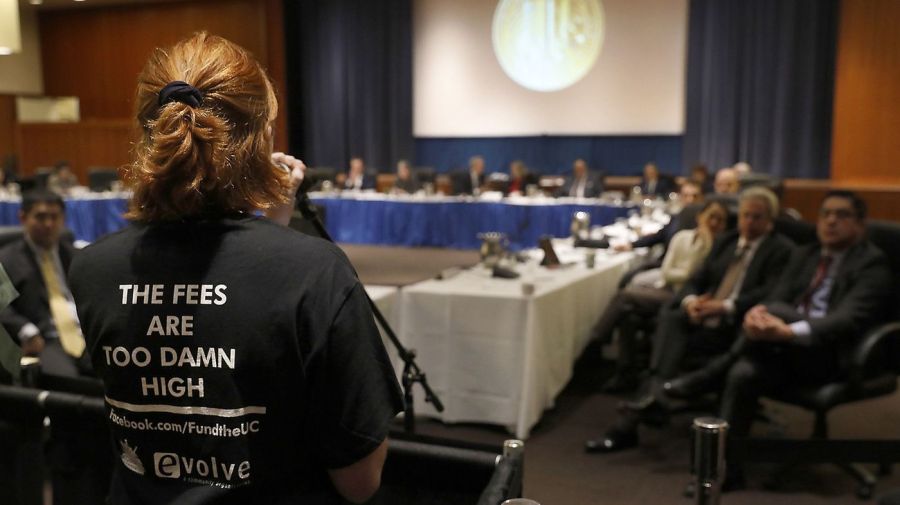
[[838, 213]]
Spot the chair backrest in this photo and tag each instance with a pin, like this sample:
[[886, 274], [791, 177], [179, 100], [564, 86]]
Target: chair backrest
[[800, 232], [101, 178], [424, 174], [886, 235], [9, 234], [316, 175]]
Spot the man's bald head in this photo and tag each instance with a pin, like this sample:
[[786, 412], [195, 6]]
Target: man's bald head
[[726, 182]]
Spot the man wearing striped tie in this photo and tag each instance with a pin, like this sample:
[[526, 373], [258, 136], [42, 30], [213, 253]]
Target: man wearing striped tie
[[43, 317]]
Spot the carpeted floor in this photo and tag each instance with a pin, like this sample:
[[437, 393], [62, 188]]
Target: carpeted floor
[[399, 266], [559, 472]]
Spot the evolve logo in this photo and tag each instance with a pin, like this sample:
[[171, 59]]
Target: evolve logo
[[169, 465]]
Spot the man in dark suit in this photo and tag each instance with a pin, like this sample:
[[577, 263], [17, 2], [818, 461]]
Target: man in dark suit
[[43, 317], [470, 181], [357, 178], [655, 184], [706, 313], [44, 322], [582, 183], [830, 294]]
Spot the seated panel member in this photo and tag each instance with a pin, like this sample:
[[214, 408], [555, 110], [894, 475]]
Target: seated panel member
[[653, 183], [405, 183], [704, 317], [582, 183], [829, 295], [650, 289], [470, 181], [357, 178], [519, 178]]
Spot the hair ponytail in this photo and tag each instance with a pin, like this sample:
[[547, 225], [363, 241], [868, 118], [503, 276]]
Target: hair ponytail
[[211, 159]]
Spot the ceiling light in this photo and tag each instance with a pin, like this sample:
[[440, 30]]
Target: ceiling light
[[10, 37], [35, 2]]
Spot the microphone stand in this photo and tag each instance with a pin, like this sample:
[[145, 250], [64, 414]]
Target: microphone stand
[[412, 374]]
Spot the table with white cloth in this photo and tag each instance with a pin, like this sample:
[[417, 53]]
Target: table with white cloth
[[497, 355], [387, 299], [455, 222]]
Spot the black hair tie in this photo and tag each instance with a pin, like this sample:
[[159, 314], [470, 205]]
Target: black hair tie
[[180, 91]]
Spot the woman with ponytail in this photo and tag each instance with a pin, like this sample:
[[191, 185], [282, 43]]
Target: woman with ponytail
[[240, 359]]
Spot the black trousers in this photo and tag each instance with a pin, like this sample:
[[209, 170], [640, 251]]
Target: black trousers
[[677, 340], [764, 369]]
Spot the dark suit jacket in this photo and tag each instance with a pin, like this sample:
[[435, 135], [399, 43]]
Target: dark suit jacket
[[760, 279], [664, 186], [462, 182], [33, 304], [858, 299], [592, 188], [368, 182]]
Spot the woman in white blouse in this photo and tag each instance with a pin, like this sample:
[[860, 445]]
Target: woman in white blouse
[[649, 290]]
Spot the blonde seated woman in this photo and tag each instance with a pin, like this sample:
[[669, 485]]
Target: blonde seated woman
[[649, 290]]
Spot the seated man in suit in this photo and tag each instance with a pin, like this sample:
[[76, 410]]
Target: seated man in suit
[[405, 183], [726, 182], [654, 184], [704, 317], [357, 178], [830, 294], [582, 183], [43, 317], [690, 196], [470, 181]]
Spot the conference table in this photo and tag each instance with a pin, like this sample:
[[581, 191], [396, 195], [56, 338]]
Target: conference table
[[379, 219], [455, 222], [495, 352]]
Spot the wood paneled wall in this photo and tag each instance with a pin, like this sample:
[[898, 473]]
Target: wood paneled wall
[[97, 53], [93, 143], [865, 149], [7, 126]]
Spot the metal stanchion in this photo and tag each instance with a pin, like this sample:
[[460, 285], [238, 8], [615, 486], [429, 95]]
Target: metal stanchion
[[708, 459]]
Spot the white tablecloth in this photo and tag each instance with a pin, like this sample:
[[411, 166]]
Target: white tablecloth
[[495, 355]]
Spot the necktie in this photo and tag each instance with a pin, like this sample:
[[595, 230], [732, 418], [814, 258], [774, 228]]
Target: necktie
[[69, 333], [735, 268], [816, 283]]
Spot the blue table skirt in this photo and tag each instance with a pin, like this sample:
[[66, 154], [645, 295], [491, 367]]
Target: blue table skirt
[[452, 224], [88, 219]]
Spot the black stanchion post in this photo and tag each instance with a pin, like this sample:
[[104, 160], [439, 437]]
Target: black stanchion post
[[708, 459]]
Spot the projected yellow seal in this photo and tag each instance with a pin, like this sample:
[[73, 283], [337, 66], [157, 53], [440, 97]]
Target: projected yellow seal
[[547, 45]]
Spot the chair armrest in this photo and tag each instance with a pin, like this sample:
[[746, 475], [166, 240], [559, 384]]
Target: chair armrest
[[869, 347]]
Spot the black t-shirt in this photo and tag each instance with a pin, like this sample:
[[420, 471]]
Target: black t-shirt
[[240, 360]]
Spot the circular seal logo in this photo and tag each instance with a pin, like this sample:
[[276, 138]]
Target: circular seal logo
[[547, 45]]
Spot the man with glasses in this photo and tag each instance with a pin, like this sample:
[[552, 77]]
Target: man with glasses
[[829, 294]]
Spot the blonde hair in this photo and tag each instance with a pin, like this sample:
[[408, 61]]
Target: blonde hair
[[213, 159]]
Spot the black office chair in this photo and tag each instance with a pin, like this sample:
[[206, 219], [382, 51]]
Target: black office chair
[[874, 366], [101, 178]]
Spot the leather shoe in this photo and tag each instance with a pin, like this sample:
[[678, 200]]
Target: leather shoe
[[613, 441]]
